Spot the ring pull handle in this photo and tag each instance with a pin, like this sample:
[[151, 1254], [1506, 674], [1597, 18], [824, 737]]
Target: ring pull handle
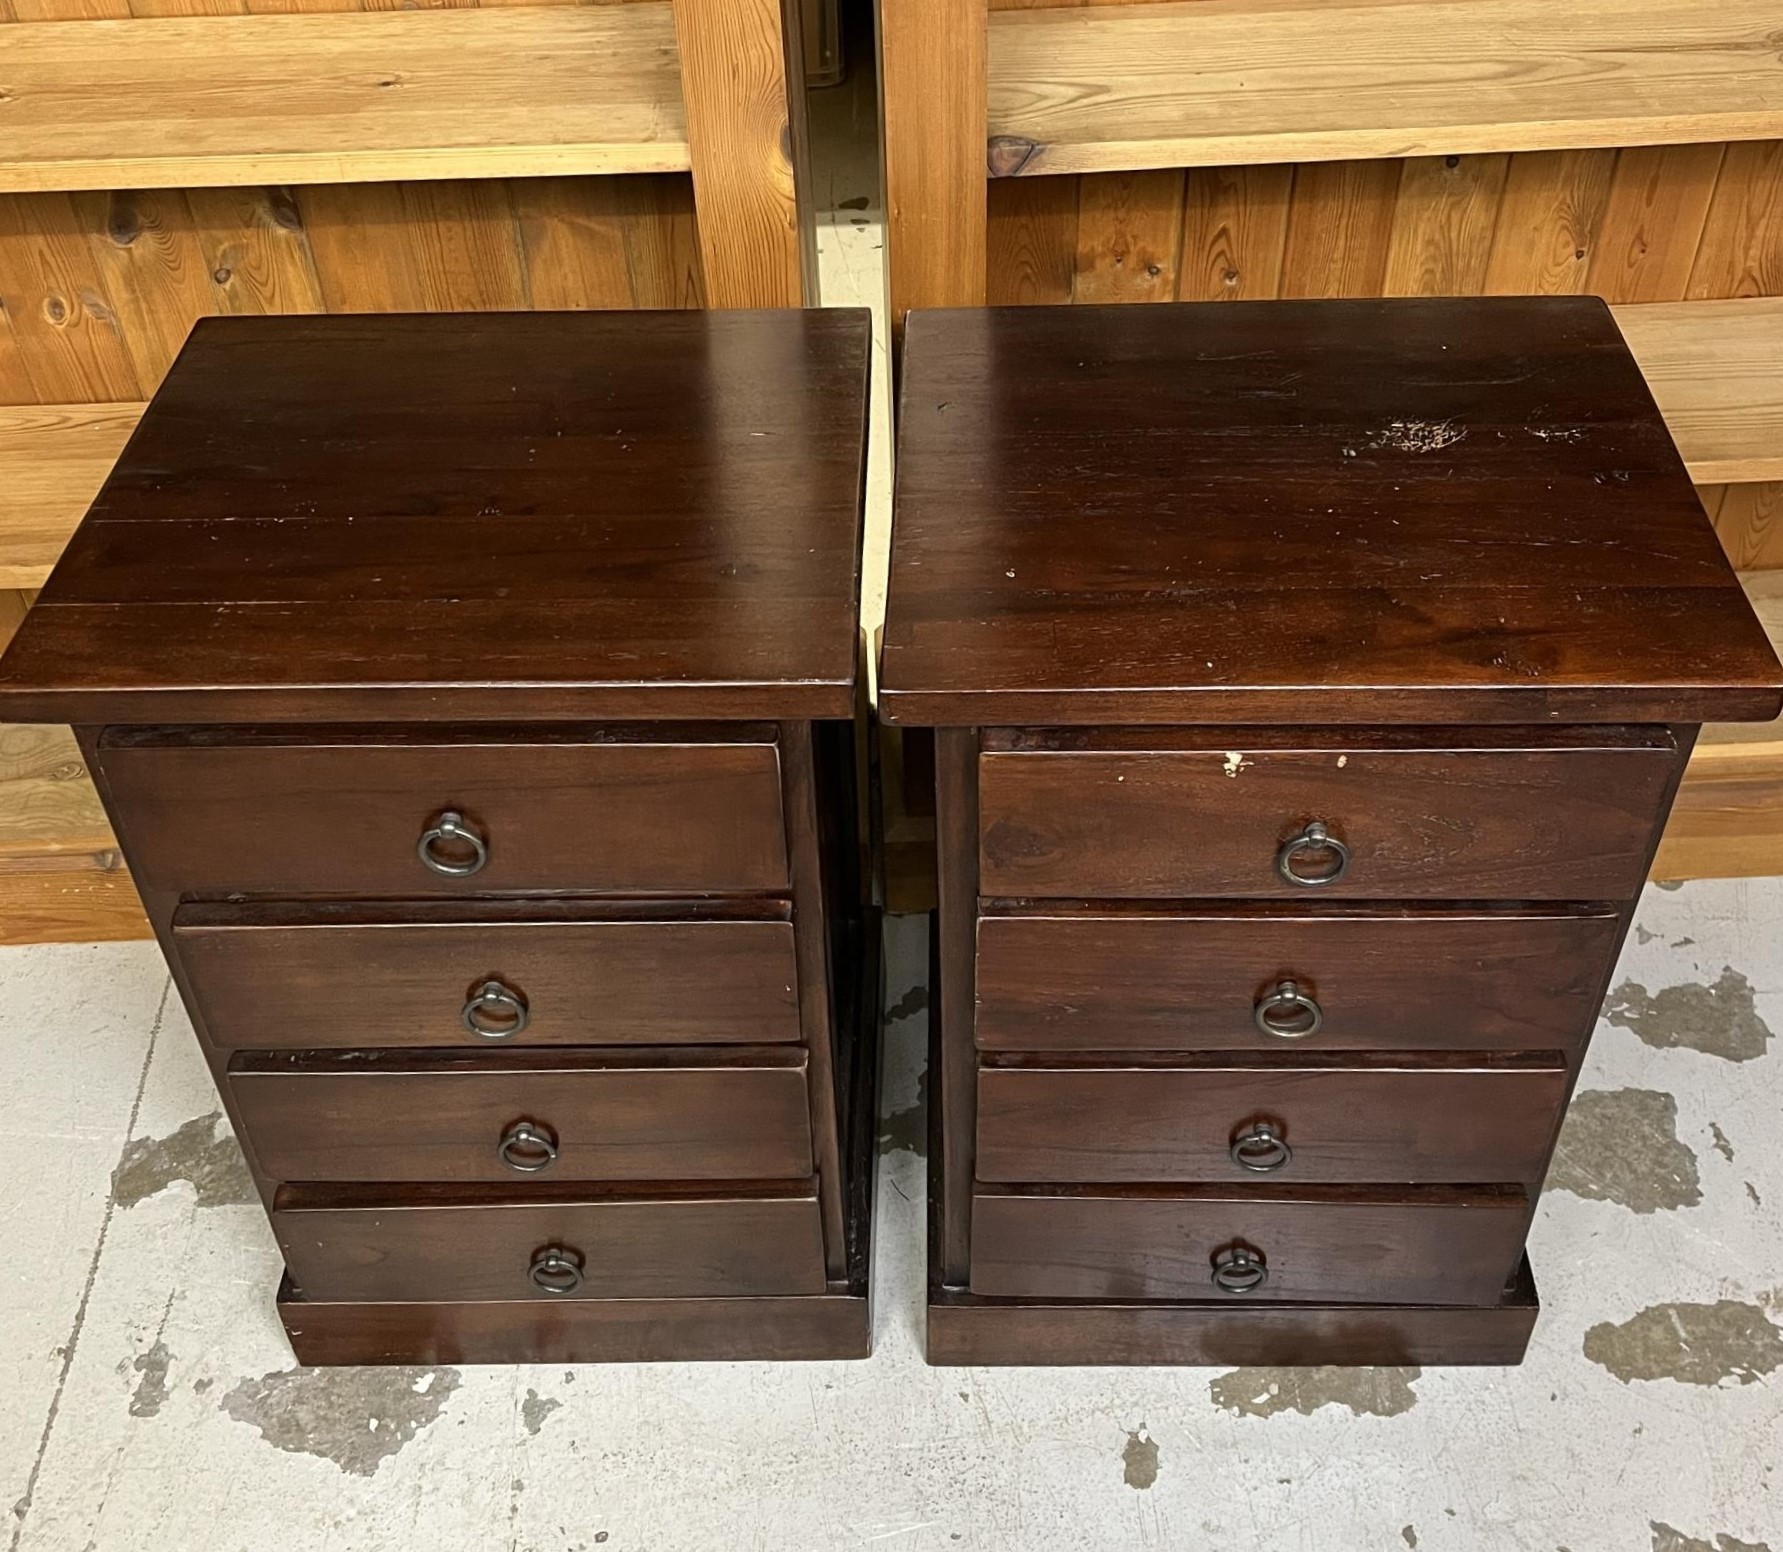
[[1288, 1012], [1315, 838], [528, 1147], [495, 1011], [451, 847], [1261, 1148], [1238, 1269], [556, 1269]]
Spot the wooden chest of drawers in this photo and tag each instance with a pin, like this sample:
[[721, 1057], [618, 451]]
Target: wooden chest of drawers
[[475, 699], [1310, 683]]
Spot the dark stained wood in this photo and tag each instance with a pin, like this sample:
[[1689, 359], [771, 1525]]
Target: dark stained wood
[[966, 1330], [1166, 1120], [340, 975], [1122, 976], [383, 1243], [815, 979], [1550, 815], [734, 1114], [1432, 1245], [952, 1055], [340, 816], [837, 1323], [1414, 510], [587, 514]]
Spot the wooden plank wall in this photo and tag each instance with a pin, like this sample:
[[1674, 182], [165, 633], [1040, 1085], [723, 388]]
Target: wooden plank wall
[[98, 290], [1645, 224]]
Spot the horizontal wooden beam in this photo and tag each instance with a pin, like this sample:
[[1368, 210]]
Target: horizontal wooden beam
[[1218, 82], [341, 97], [1716, 370], [53, 459]]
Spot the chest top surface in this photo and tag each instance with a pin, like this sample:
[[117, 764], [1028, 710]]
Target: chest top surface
[[1301, 512], [522, 515]]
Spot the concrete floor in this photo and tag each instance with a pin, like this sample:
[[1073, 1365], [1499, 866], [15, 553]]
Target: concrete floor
[[150, 1400]]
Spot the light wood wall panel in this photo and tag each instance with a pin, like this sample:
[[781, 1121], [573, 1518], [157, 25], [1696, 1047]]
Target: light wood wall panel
[[1645, 224]]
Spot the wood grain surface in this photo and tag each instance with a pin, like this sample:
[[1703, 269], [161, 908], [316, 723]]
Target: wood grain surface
[[1473, 504], [388, 1116], [329, 976], [1168, 1120], [350, 472], [1123, 976], [1428, 1245], [1544, 815], [1213, 81], [167, 102]]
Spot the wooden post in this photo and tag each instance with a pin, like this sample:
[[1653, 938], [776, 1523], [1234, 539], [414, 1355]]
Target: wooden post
[[932, 104], [734, 82]]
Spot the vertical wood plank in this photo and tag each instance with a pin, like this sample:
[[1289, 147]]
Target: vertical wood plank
[[1234, 233], [1741, 251], [256, 249], [1340, 226], [1031, 240], [1129, 231], [1443, 225], [956, 842], [804, 826], [1653, 224], [572, 242], [932, 113], [733, 83], [414, 247], [1749, 523], [153, 268], [662, 247], [63, 322], [1548, 222]]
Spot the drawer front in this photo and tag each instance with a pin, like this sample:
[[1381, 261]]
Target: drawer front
[[371, 1116], [1400, 1126], [1138, 978], [329, 977], [1441, 1247], [1136, 816], [348, 819], [348, 1245]]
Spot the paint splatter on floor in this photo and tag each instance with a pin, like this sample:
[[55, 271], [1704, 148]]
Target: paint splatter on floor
[[203, 1152], [1262, 1392], [357, 1418], [1139, 1460], [1621, 1145], [1665, 1539], [1696, 1344], [535, 1409], [1719, 1020]]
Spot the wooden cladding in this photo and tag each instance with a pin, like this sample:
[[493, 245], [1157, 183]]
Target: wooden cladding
[[1083, 89], [99, 289]]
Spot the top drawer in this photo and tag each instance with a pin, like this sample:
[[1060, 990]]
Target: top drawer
[[1501, 813], [351, 812]]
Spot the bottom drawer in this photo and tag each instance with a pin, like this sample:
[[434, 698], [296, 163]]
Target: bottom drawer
[[369, 1243], [1432, 1245]]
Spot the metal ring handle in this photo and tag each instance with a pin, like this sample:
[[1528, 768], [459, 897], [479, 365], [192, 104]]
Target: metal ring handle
[[1239, 1269], [494, 997], [1316, 836], [451, 826], [556, 1269], [1261, 1148], [1288, 1012], [528, 1147]]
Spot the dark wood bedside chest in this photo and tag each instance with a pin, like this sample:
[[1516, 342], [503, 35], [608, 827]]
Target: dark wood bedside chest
[[1312, 681], [475, 698]]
